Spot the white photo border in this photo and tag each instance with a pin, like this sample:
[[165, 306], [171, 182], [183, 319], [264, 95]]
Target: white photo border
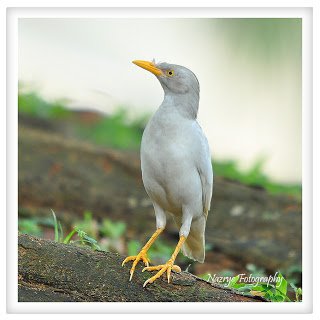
[[12, 13]]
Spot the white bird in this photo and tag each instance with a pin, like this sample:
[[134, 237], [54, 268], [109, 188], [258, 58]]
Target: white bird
[[176, 166]]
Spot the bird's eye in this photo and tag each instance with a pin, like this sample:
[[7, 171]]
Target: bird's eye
[[170, 73]]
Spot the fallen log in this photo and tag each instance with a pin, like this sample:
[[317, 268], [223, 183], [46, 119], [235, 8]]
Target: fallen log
[[51, 272]]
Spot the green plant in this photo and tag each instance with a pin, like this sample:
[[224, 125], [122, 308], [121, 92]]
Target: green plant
[[297, 291], [273, 292], [88, 224], [84, 239]]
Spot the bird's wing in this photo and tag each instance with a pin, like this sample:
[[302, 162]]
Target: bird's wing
[[204, 167]]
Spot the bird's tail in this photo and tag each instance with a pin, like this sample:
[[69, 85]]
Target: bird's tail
[[194, 246]]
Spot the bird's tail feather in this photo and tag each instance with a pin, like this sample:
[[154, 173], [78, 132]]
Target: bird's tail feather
[[194, 246]]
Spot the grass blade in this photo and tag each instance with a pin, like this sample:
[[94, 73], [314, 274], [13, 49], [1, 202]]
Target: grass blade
[[69, 236], [56, 227]]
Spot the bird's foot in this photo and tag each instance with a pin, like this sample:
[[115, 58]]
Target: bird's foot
[[142, 255], [162, 268]]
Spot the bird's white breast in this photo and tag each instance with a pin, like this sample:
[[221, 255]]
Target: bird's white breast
[[169, 149]]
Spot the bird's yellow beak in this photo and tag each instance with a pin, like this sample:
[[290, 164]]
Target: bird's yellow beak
[[150, 66]]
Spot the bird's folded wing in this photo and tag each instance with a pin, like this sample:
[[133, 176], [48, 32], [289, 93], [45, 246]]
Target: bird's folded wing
[[204, 167]]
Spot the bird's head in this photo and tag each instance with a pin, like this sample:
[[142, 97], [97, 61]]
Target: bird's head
[[173, 78]]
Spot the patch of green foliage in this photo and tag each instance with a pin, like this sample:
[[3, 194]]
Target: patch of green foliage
[[32, 104], [110, 233], [112, 229], [255, 177], [275, 292], [115, 131], [30, 226]]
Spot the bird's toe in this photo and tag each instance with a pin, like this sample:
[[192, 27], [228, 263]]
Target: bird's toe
[[142, 256], [161, 268]]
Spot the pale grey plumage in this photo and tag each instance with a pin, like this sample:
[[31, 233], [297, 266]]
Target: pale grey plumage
[[176, 161]]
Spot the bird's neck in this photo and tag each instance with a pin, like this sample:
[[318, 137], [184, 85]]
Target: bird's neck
[[186, 104]]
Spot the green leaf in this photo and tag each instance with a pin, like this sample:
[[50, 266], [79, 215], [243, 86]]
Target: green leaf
[[233, 281], [278, 298], [282, 284], [260, 287], [245, 288], [238, 285], [265, 286], [60, 232], [69, 236], [89, 239], [268, 295]]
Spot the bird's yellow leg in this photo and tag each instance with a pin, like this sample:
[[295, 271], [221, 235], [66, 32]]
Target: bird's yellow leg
[[168, 266], [142, 255]]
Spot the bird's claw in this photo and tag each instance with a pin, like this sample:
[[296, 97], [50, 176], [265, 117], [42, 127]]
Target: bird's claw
[[142, 255], [162, 268]]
